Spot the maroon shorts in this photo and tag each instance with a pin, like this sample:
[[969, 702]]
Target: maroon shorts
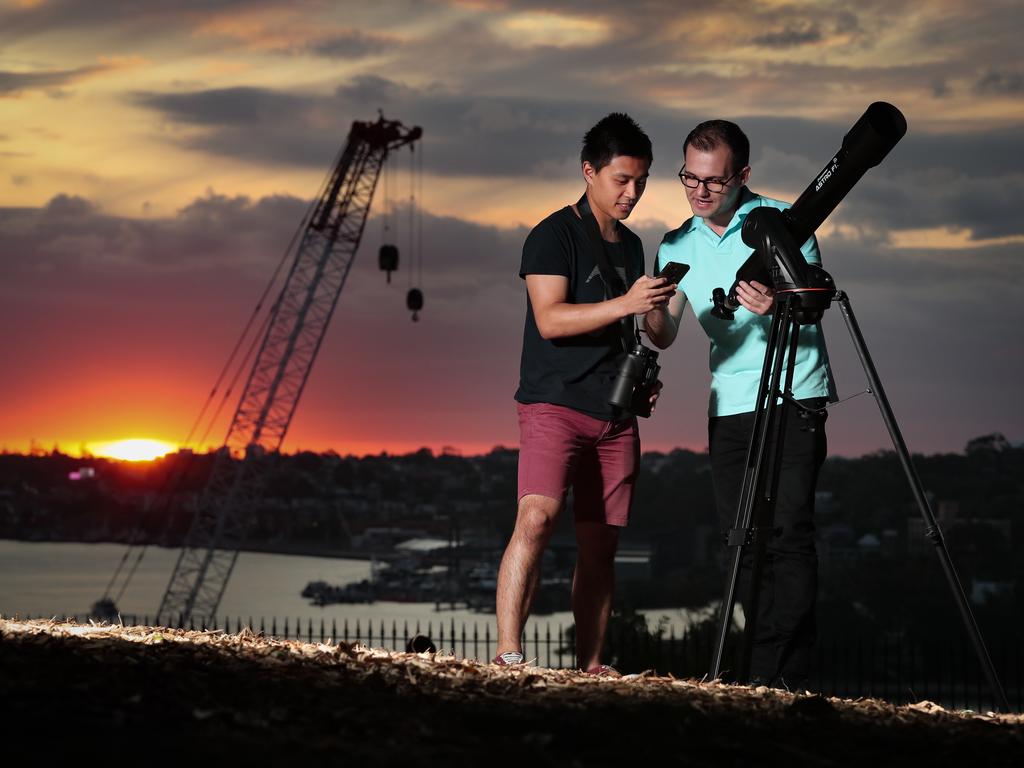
[[561, 448]]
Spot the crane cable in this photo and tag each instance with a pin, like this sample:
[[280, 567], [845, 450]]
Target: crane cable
[[419, 215], [412, 220], [385, 218], [415, 236]]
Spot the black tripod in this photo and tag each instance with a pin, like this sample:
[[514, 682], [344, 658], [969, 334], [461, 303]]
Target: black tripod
[[755, 511]]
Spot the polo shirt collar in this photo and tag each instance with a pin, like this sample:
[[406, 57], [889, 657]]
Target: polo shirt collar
[[747, 202]]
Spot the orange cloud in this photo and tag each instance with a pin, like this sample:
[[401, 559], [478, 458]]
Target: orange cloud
[[278, 30]]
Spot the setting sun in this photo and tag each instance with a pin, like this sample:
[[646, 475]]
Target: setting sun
[[136, 449]]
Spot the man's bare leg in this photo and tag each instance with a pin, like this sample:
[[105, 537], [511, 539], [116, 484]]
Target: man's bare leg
[[520, 567], [593, 584]]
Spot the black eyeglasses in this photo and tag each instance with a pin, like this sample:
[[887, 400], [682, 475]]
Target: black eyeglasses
[[713, 185]]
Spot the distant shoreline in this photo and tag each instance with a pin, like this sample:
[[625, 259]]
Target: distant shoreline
[[270, 549]]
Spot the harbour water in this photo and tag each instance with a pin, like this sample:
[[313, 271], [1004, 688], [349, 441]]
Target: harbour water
[[65, 579]]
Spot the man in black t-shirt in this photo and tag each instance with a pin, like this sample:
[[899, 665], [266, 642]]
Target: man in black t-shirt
[[570, 436]]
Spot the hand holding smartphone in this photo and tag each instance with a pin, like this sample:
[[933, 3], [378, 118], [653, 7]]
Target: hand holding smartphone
[[674, 271]]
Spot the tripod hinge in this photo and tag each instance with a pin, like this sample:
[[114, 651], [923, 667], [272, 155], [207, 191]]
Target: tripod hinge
[[739, 537], [934, 534], [742, 537]]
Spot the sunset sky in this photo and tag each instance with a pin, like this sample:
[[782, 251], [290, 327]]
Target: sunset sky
[[156, 158]]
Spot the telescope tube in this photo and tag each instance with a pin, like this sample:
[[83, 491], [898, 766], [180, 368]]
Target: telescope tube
[[776, 235], [864, 146]]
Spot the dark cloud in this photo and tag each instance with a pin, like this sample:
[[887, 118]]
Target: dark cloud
[[70, 236], [216, 233], [1001, 83], [350, 45], [149, 17], [250, 107], [653, 41], [986, 32], [14, 83], [512, 136], [929, 179], [373, 88], [791, 36], [64, 208], [846, 23], [256, 124], [136, 23], [463, 135]]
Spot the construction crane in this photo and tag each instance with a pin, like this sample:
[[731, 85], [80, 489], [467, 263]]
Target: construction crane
[[295, 330]]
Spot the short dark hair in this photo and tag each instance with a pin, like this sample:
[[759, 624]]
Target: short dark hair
[[712, 133], [616, 134]]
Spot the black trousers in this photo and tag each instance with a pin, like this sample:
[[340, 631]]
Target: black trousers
[[786, 629]]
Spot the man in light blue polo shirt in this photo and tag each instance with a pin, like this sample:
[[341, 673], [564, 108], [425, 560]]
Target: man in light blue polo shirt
[[715, 173]]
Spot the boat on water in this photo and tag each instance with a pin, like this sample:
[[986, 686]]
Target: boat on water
[[321, 593]]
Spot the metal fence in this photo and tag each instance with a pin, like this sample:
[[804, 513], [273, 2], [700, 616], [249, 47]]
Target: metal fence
[[850, 667]]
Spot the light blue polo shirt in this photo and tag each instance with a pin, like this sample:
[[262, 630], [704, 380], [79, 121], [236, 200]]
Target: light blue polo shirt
[[738, 347]]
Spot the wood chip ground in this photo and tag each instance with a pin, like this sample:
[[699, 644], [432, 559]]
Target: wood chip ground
[[157, 694]]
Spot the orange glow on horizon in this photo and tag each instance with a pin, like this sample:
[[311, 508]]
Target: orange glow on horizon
[[133, 449]]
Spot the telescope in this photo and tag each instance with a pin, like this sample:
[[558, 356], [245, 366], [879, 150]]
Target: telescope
[[776, 236]]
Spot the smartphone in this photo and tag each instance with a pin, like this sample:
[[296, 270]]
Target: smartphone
[[674, 271]]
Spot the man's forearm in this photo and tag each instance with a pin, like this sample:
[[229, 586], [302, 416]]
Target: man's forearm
[[564, 319], [661, 327]]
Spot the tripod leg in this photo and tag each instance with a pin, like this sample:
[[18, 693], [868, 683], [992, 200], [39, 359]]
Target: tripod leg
[[740, 535], [764, 519], [932, 530]]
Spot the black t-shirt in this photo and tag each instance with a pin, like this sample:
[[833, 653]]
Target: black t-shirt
[[575, 371]]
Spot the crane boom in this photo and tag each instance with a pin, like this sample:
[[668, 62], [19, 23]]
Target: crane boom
[[297, 324]]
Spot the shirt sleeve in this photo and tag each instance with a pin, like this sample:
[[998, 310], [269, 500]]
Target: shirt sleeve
[[546, 252]]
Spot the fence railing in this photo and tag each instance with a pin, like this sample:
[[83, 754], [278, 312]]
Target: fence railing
[[850, 667]]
